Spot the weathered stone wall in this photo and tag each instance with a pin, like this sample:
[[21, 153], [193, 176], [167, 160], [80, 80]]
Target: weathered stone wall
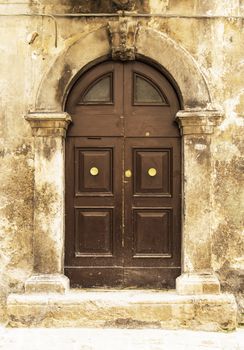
[[216, 44]]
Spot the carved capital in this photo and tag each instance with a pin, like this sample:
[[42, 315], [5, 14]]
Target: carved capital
[[122, 39], [48, 124], [193, 122]]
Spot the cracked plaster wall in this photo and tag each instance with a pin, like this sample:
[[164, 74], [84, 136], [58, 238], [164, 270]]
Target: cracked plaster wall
[[217, 46]]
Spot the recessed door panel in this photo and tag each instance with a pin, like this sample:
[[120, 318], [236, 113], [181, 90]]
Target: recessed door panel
[[94, 169], [94, 231], [152, 169], [152, 233]]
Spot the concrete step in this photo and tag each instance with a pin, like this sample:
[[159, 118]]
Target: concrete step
[[123, 309]]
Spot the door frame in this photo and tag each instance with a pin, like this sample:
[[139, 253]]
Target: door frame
[[197, 121]]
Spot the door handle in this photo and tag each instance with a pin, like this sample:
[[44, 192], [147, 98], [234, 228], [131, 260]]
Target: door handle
[[94, 171], [128, 173], [152, 172]]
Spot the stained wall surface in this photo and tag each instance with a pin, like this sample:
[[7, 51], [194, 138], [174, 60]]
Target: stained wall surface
[[211, 31]]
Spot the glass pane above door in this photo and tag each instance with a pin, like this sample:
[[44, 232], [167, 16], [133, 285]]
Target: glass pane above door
[[146, 92], [99, 92]]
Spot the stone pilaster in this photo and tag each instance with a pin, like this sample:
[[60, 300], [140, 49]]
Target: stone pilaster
[[49, 130], [197, 128]]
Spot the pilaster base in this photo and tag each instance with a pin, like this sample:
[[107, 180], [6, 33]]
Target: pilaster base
[[197, 283], [47, 283]]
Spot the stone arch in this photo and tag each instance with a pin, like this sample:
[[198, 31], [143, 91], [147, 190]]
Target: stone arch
[[150, 44]]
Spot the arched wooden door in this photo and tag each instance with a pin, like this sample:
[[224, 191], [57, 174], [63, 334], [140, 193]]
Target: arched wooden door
[[123, 179]]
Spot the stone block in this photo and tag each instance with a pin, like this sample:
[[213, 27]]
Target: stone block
[[123, 309], [47, 283], [194, 283]]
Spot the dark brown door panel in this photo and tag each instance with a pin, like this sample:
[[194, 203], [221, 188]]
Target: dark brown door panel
[[152, 233], [153, 203], [155, 277], [152, 169], [90, 276], [93, 202], [93, 171], [94, 232]]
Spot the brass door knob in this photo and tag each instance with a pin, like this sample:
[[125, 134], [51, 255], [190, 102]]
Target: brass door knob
[[152, 172], [128, 173], [94, 171]]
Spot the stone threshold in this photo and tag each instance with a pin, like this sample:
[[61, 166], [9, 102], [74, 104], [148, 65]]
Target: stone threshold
[[123, 309]]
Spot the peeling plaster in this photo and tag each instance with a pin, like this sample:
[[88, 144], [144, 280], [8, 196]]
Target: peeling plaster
[[232, 117]]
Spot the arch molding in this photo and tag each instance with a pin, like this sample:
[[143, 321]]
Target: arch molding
[[150, 44]]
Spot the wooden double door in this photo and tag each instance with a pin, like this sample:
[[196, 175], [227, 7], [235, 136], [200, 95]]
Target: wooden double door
[[123, 179]]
